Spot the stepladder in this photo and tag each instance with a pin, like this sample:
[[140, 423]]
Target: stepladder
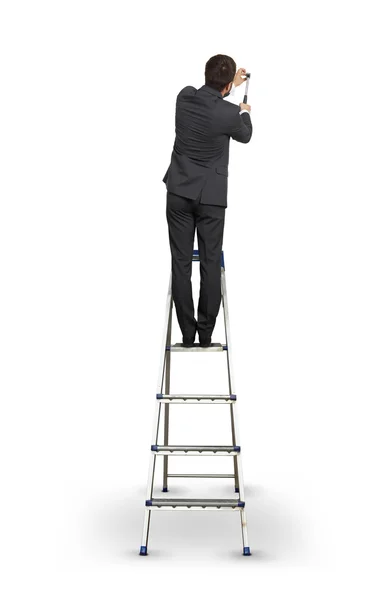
[[162, 449]]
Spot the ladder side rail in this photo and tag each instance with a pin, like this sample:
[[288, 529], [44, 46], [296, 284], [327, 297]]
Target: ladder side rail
[[234, 416], [167, 391], [169, 302], [238, 459], [154, 439], [231, 381], [150, 481]]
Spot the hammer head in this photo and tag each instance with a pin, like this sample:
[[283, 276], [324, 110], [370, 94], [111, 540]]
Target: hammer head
[[248, 75]]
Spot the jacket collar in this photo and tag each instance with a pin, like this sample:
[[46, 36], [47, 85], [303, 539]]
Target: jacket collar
[[211, 90]]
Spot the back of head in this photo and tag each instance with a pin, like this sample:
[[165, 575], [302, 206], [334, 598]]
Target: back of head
[[219, 71]]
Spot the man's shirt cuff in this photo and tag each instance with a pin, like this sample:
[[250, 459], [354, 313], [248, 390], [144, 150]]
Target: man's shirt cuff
[[244, 110]]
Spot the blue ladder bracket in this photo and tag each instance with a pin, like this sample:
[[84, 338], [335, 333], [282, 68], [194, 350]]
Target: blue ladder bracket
[[159, 396], [241, 504], [236, 490], [225, 347], [236, 448], [167, 347], [149, 503], [233, 397], [154, 448]]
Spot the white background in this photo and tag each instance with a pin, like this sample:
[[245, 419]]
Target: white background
[[87, 127]]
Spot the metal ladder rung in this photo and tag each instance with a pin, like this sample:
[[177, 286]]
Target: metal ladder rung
[[197, 348], [180, 400], [197, 398], [196, 450], [190, 503], [202, 475]]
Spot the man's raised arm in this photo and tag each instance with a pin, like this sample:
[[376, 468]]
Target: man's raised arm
[[241, 128]]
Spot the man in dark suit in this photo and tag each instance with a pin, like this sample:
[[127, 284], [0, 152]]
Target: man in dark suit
[[196, 183]]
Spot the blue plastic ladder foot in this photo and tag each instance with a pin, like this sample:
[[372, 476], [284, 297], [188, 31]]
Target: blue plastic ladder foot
[[165, 489], [246, 551], [143, 551]]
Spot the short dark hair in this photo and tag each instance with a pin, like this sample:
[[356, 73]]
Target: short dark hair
[[219, 71]]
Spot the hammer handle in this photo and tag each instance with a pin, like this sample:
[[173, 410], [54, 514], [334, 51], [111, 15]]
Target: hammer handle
[[248, 75]]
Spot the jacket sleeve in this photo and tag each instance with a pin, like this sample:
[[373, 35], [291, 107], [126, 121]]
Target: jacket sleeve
[[240, 128]]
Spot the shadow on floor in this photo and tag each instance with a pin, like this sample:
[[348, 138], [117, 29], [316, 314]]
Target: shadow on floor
[[275, 533]]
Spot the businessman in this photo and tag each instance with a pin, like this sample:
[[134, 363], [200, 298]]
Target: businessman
[[196, 183]]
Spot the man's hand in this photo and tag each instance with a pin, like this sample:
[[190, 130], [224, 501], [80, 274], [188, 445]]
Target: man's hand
[[245, 106], [238, 77]]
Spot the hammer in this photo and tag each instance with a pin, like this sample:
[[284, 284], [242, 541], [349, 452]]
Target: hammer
[[248, 75]]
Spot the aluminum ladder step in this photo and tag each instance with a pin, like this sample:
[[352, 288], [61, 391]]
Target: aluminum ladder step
[[196, 450], [197, 348], [196, 503], [196, 398]]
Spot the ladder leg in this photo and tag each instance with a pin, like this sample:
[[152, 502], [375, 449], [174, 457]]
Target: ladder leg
[[145, 536], [146, 525], [245, 539], [150, 483], [167, 391]]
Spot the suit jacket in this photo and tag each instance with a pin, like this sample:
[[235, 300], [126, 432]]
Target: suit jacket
[[199, 161]]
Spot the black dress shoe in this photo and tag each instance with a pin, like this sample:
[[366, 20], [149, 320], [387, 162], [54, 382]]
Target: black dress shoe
[[205, 343]]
